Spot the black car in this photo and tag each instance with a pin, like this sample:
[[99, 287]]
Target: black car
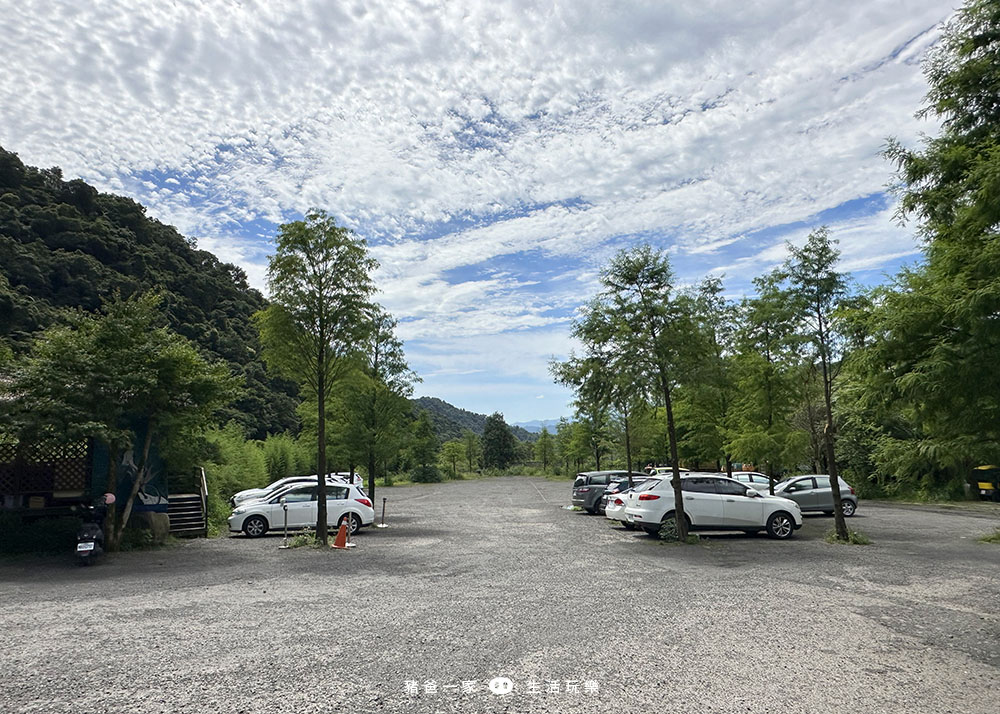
[[589, 487]]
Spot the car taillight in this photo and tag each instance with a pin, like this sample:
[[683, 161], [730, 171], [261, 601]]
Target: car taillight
[[364, 501], [619, 502], [584, 489], [648, 497], [851, 489]]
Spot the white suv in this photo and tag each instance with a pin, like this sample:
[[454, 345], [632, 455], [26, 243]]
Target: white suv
[[714, 502]]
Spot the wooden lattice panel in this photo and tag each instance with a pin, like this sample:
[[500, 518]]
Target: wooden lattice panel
[[44, 469], [8, 477]]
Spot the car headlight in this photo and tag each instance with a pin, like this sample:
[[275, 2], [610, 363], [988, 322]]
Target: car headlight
[[239, 511]]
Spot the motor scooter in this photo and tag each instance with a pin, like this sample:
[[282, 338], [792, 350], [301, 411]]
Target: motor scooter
[[90, 536]]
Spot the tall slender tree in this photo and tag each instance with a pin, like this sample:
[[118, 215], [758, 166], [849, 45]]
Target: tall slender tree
[[320, 283], [817, 288], [378, 403], [653, 324]]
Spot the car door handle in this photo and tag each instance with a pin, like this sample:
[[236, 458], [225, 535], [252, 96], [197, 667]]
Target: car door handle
[[689, 498], [730, 500]]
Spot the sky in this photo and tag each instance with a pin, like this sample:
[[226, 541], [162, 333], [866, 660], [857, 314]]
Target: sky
[[493, 154]]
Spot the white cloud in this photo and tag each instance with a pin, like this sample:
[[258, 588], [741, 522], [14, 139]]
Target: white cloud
[[475, 131]]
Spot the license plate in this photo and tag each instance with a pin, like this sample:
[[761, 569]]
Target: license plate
[[84, 547]]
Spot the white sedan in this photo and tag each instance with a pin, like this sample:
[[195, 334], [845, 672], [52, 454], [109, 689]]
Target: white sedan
[[344, 502], [716, 503], [615, 509]]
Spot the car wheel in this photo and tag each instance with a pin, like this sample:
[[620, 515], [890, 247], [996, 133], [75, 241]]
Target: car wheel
[[255, 526], [355, 524], [848, 507], [780, 525]]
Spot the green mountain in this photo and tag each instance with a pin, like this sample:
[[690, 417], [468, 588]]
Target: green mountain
[[449, 421], [64, 245]]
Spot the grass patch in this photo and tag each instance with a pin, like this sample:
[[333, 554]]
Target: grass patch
[[993, 537], [305, 539], [853, 538]]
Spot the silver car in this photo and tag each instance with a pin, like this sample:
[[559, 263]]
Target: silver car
[[813, 493]]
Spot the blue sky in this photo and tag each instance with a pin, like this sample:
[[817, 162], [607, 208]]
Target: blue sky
[[494, 154]]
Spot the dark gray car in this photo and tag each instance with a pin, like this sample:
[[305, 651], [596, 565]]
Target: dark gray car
[[589, 487], [813, 493]]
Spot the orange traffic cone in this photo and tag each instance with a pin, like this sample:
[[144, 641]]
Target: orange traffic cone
[[340, 542]]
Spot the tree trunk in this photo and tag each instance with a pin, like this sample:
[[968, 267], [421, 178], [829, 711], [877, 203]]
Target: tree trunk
[[371, 474], [831, 460], [628, 453], [682, 529], [321, 525], [115, 537]]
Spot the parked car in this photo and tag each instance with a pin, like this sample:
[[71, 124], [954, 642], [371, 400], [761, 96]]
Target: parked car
[[344, 502], [668, 471], [255, 493], [813, 493], [619, 484], [614, 503], [715, 502], [754, 479], [589, 486]]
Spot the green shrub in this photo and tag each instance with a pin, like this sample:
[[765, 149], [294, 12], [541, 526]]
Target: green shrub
[[425, 474], [42, 535], [237, 464], [668, 533], [136, 539]]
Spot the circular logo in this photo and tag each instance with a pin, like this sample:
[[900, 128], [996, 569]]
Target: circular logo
[[501, 685]]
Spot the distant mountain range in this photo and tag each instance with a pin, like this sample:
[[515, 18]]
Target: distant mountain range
[[536, 426], [449, 421]]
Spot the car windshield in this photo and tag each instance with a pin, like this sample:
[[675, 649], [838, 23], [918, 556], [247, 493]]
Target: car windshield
[[646, 485]]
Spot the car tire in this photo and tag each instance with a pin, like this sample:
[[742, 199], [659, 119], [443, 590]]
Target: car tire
[[848, 508], [255, 526], [780, 525], [355, 525]]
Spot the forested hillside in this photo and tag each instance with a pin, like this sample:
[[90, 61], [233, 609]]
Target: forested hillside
[[64, 245], [449, 421]]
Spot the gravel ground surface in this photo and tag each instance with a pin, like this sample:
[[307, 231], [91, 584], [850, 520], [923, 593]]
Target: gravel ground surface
[[478, 580]]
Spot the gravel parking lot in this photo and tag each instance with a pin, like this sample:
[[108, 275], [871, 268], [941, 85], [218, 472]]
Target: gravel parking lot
[[479, 580]]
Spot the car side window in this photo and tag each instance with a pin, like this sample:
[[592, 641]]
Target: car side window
[[729, 488], [301, 495], [822, 482], [803, 484], [698, 485], [336, 493]]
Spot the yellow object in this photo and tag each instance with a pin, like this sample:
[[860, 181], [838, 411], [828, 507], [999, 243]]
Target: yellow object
[[36, 502], [985, 486]]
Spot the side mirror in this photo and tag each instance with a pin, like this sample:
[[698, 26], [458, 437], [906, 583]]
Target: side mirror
[[283, 503], [753, 493]]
